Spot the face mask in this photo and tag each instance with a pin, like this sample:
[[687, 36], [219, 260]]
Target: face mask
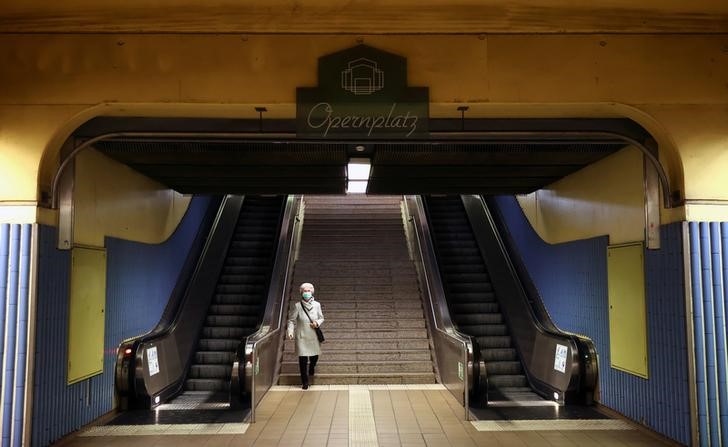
[[307, 295]]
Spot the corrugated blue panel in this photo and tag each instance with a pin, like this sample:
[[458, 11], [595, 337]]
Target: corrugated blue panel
[[572, 280], [709, 264], [15, 257], [140, 278]]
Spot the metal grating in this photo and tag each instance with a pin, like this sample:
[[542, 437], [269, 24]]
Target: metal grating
[[552, 425], [319, 167]]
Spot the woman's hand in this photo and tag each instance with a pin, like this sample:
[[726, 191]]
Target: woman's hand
[[290, 336], [313, 324]]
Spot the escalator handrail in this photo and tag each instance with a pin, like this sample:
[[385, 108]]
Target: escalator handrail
[[220, 234], [272, 320], [434, 291]]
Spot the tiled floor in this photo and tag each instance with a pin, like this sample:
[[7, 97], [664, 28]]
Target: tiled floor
[[369, 416]]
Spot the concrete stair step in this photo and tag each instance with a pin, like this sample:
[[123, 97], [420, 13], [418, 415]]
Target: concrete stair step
[[370, 304], [380, 271], [405, 280], [335, 335], [367, 356], [333, 315], [361, 378], [371, 367], [353, 344], [370, 289], [349, 324]]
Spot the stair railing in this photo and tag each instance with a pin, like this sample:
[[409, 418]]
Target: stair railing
[[455, 353], [257, 360]]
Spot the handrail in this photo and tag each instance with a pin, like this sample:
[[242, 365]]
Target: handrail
[[132, 377], [443, 330], [259, 345]]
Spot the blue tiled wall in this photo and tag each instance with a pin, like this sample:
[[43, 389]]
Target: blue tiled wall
[[572, 280], [140, 278], [709, 275], [15, 264]]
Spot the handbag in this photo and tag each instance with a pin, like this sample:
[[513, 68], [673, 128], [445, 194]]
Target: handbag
[[319, 332]]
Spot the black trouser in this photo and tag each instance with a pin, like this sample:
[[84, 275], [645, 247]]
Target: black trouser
[[305, 372]]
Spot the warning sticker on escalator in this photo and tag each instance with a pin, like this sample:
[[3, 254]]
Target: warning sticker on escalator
[[560, 358], [152, 360]]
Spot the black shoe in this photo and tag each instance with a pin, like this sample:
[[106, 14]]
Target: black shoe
[[304, 386]]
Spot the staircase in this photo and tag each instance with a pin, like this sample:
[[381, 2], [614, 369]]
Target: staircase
[[239, 295], [353, 250], [471, 298]]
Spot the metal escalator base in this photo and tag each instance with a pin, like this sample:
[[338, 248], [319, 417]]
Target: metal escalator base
[[192, 407]]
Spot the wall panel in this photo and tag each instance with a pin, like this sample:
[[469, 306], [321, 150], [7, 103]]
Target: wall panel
[[572, 280]]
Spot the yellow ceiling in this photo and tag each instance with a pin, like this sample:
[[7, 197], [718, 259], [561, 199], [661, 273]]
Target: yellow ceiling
[[364, 16]]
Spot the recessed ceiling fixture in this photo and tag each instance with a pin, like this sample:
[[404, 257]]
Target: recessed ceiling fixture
[[357, 175]]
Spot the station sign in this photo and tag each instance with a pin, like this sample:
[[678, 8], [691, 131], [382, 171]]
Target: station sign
[[362, 93]]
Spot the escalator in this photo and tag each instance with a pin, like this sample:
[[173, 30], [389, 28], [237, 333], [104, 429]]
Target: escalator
[[239, 297], [192, 354], [471, 297], [525, 357]]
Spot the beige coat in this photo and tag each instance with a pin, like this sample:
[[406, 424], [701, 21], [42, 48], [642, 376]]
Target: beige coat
[[298, 324]]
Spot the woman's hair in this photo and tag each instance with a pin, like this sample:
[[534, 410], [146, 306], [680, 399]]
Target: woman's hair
[[306, 284]]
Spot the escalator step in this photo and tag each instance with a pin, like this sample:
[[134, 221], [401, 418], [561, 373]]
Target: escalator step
[[231, 320], [461, 260], [238, 300], [245, 270], [240, 288], [207, 385], [256, 244], [249, 252], [482, 297], [498, 354], [214, 357], [220, 344], [448, 252], [470, 287], [471, 319], [485, 330], [504, 368], [464, 268], [210, 372], [467, 277], [235, 309], [498, 341], [474, 308], [241, 279], [238, 261], [223, 332], [502, 381]]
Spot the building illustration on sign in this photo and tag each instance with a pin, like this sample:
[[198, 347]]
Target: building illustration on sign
[[362, 77], [352, 99]]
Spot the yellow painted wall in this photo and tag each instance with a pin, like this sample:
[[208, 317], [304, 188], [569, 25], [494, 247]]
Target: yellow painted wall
[[111, 199], [606, 197], [674, 85]]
